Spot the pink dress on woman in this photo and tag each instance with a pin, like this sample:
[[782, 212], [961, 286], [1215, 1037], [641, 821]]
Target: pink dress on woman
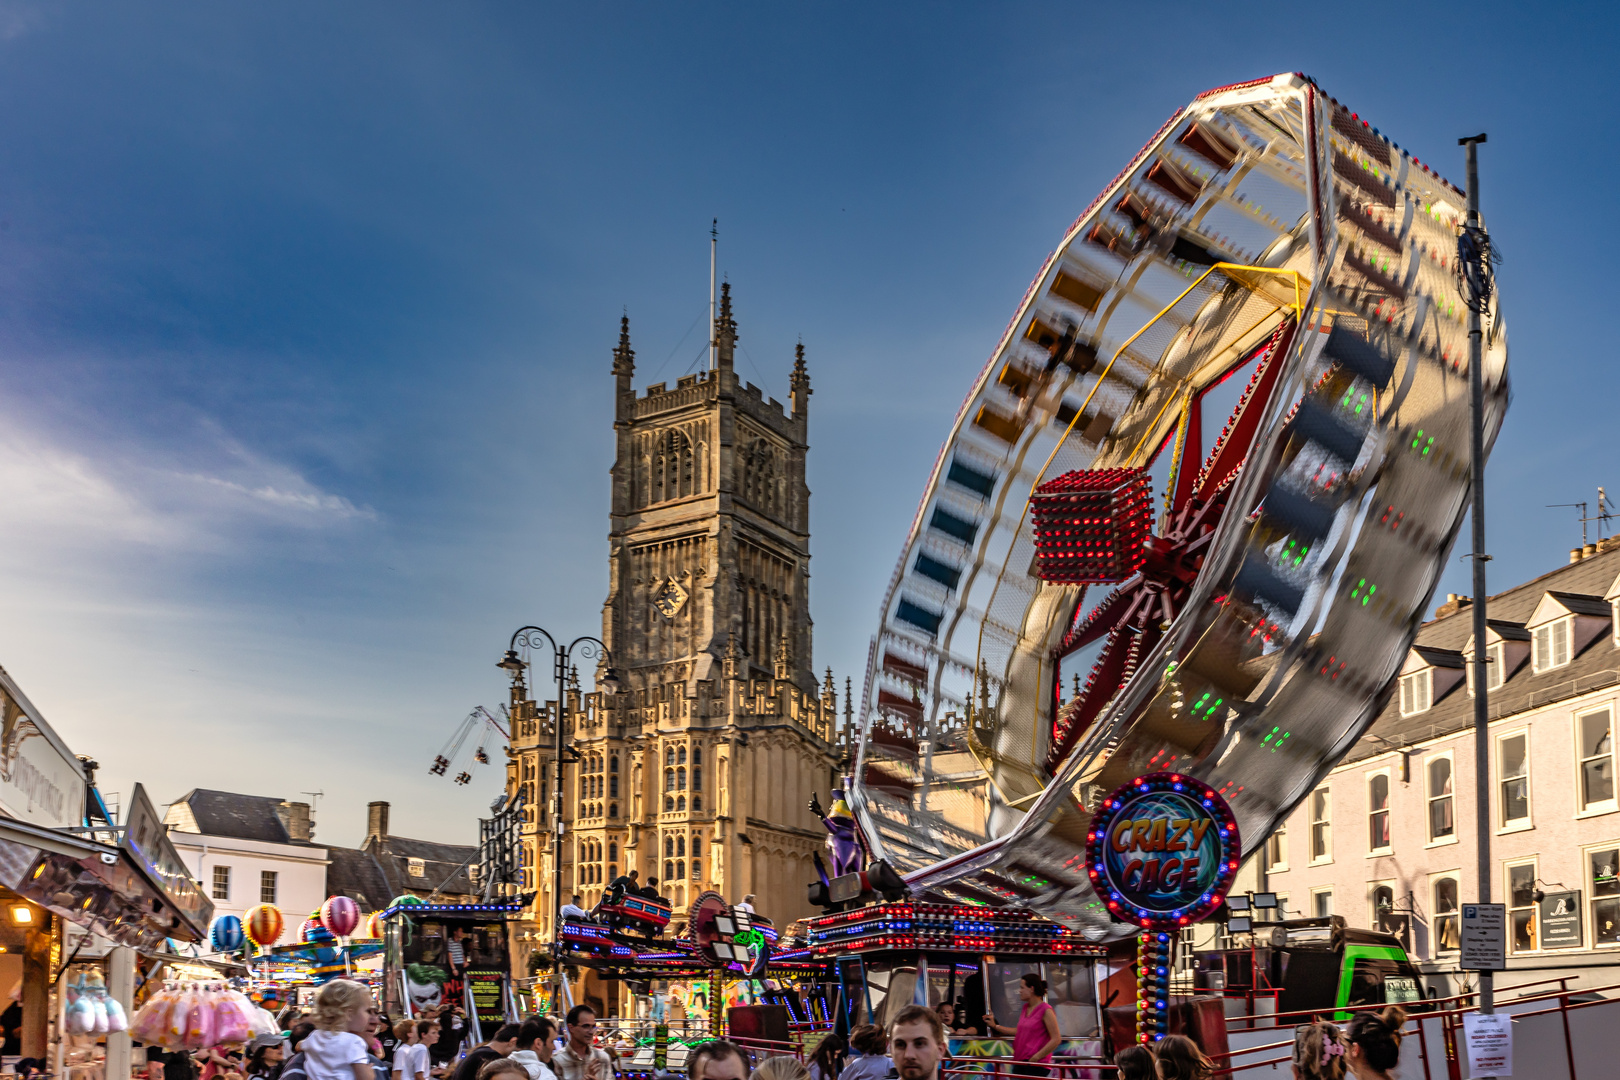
[[1031, 1034]]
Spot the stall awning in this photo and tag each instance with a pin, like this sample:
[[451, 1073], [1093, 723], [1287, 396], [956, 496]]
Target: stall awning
[[99, 887]]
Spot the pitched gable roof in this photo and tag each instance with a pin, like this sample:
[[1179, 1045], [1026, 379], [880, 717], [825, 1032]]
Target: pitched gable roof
[[225, 813], [353, 872]]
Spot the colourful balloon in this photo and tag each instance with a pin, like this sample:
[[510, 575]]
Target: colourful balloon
[[225, 933], [264, 925], [340, 915], [374, 925]]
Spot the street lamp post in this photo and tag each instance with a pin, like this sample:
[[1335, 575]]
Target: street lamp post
[[590, 649]]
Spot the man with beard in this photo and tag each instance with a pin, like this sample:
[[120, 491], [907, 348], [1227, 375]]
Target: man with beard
[[916, 1043]]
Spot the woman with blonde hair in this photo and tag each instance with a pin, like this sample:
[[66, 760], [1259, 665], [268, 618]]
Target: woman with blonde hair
[[780, 1067], [1319, 1052]]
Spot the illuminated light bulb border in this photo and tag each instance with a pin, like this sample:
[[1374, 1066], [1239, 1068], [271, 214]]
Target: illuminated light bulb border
[[1111, 809]]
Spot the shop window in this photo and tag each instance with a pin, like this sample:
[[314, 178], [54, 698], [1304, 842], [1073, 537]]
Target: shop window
[[1521, 905], [1603, 884], [1446, 937], [1321, 826], [1378, 812], [222, 883], [1513, 778], [267, 886], [1595, 731], [1442, 819]]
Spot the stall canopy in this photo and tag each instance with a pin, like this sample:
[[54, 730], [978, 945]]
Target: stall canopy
[[127, 884]]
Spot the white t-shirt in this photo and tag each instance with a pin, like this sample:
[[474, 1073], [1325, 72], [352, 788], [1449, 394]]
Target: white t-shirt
[[331, 1055], [410, 1059]]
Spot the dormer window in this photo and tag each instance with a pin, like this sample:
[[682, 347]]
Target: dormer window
[[1550, 648], [1417, 692]]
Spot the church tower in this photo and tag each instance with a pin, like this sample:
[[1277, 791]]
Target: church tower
[[699, 772], [710, 537]]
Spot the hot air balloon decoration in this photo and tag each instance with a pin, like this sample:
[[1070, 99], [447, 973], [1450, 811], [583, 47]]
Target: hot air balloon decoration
[[374, 925], [340, 915], [407, 900], [312, 932], [225, 934], [264, 924]]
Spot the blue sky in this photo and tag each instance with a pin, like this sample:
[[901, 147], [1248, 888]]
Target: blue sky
[[306, 311]]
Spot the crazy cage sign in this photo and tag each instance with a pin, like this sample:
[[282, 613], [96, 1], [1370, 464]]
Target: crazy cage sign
[[1162, 851]]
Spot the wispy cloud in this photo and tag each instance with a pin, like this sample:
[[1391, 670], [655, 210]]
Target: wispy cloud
[[76, 489]]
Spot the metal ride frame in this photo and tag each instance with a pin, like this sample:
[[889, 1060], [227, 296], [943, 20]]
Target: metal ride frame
[[1271, 636]]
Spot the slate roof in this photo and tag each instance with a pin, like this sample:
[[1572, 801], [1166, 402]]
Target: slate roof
[[1595, 666], [444, 865], [354, 873], [245, 817]]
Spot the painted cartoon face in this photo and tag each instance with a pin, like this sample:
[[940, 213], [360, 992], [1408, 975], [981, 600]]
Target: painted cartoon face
[[423, 995]]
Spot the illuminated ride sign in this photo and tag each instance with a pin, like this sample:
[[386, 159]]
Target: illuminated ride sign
[[1162, 851]]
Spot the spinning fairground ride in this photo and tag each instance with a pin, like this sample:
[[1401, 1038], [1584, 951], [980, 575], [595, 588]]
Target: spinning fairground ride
[[1190, 516]]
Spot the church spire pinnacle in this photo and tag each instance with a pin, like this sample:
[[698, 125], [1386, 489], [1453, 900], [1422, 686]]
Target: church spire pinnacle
[[624, 357], [800, 381], [725, 328]]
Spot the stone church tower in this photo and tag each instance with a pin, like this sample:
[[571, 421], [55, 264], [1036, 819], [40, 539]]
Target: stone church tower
[[699, 771]]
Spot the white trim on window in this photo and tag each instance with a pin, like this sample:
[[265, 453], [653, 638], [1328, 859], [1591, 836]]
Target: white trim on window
[[1516, 796], [1372, 901], [1417, 692], [1440, 799], [1322, 902], [1277, 849], [1594, 763], [1550, 644], [1378, 822], [1444, 923], [1606, 905], [1319, 807], [1521, 906]]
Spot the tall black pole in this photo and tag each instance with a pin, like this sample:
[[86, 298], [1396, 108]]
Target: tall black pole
[[557, 816], [1482, 711]]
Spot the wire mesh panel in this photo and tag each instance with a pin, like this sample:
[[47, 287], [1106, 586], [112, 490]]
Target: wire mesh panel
[[1302, 520]]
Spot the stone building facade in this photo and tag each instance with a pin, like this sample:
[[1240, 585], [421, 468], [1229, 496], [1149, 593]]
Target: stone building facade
[[698, 773]]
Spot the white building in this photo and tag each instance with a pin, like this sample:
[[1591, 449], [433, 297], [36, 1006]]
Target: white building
[[250, 849], [1387, 840]]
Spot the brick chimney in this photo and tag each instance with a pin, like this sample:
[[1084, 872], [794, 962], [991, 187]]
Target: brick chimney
[[1454, 603], [295, 817], [376, 820]]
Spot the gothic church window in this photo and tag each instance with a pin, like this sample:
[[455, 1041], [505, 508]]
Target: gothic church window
[[680, 756]]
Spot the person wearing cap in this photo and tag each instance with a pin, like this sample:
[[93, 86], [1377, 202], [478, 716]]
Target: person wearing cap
[[266, 1055]]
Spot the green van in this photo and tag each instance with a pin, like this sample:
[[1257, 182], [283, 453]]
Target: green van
[[1318, 965]]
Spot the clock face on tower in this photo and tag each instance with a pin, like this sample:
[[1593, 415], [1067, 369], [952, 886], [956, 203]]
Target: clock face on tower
[[670, 598]]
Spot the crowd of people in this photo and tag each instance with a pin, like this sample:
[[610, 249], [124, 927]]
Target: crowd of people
[[344, 1037]]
